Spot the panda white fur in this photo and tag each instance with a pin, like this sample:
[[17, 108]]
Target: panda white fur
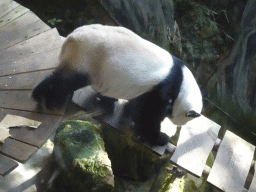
[[119, 64]]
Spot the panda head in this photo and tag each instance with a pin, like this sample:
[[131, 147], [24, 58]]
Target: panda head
[[189, 102]]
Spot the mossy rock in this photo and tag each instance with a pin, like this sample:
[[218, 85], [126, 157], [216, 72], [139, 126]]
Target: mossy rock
[[130, 159], [190, 183], [83, 153]]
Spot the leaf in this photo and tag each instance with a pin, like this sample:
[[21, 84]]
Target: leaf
[[225, 13], [228, 37], [54, 20]]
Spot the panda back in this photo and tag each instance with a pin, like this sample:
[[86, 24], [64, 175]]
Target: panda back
[[120, 64]]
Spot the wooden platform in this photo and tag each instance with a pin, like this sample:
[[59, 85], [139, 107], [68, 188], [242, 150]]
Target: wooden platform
[[28, 52]]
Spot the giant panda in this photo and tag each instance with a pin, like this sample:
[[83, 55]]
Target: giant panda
[[119, 64]]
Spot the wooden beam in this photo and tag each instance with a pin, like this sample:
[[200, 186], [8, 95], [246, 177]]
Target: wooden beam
[[12, 15], [7, 165], [232, 163], [22, 28], [41, 61], [253, 183], [24, 80], [43, 42], [17, 150], [195, 143], [36, 137], [7, 6], [22, 100]]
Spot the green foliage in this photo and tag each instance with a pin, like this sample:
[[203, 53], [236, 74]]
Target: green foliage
[[54, 21], [203, 37]]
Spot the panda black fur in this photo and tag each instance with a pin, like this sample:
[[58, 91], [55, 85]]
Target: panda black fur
[[119, 64]]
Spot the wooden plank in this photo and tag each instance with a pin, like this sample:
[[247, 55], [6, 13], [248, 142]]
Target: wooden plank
[[7, 165], [43, 42], [253, 184], [232, 163], [86, 98], [195, 143], [6, 6], [17, 100], [17, 150], [22, 100], [22, 28], [23, 80], [38, 136], [12, 15], [40, 61]]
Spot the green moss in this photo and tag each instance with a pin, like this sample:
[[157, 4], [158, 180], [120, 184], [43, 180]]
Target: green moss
[[129, 158], [79, 139], [187, 183], [190, 186], [166, 183], [82, 149], [210, 160], [91, 166]]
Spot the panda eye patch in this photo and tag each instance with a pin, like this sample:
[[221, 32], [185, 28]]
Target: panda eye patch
[[192, 113]]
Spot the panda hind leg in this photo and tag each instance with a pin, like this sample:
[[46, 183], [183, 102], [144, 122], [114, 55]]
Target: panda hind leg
[[55, 90], [147, 113]]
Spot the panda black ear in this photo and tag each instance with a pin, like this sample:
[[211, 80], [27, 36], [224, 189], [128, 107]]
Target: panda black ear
[[192, 113], [204, 91]]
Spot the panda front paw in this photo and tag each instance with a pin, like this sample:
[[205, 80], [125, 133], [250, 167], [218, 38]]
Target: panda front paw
[[151, 138], [162, 139]]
